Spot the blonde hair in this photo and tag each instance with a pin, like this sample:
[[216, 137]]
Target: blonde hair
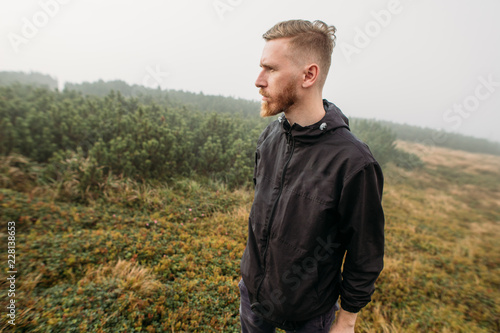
[[307, 38]]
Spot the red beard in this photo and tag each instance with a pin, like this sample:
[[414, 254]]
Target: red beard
[[285, 99]]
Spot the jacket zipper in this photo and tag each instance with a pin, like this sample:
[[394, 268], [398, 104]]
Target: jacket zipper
[[271, 217]]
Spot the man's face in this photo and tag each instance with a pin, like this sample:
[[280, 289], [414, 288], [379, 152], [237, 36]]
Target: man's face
[[278, 79]]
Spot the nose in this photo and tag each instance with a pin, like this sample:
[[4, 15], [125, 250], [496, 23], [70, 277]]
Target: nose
[[261, 81]]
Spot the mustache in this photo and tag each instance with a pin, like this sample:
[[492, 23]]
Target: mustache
[[262, 93]]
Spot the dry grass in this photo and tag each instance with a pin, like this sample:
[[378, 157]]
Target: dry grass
[[442, 263], [134, 282], [465, 161], [127, 275]]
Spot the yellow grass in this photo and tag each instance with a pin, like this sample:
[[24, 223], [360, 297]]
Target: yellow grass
[[125, 274], [465, 161], [442, 262]]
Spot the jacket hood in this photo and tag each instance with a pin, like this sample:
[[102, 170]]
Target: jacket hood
[[333, 119]]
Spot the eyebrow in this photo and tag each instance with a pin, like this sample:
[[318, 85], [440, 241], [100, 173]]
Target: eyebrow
[[267, 66]]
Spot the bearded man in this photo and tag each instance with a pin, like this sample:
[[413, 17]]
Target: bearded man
[[318, 193]]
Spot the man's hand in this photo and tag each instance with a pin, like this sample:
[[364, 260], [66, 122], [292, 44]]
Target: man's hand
[[344, 323]]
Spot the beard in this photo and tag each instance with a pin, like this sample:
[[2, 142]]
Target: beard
[[284, 100]]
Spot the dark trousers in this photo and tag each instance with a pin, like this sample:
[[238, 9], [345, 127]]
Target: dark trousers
[[252, 323]]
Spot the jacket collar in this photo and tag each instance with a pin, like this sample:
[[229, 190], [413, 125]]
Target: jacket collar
[[333, 119]]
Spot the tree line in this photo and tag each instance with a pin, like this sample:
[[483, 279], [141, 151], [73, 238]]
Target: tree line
[[146, 137], [229, 105], [33, 78], [122, 136]]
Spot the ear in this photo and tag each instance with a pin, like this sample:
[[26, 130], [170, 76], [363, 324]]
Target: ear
[[311, 74]]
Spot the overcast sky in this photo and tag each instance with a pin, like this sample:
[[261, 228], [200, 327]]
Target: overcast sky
[[429, 63]]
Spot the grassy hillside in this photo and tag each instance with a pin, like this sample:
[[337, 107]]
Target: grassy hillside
[[442, 268], [163, 258], [445, 139]]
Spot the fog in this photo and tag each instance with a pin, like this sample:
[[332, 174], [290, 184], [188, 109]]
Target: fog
[[427, 63]]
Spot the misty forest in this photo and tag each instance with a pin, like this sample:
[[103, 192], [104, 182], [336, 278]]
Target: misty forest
[[131, 205]]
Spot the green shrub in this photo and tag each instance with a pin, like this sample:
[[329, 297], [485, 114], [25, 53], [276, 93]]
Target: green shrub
[[382, 142]]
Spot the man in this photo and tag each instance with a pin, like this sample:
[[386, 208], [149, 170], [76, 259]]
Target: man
[[318, 193]]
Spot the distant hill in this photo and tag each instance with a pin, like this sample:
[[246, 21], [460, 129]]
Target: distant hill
[[33, 78], [429, 136], [173, 98]]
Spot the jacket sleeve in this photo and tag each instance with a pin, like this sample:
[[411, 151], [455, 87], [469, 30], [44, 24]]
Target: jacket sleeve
[[362, 232]]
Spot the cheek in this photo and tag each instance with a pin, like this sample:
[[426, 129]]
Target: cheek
[[275, 83]]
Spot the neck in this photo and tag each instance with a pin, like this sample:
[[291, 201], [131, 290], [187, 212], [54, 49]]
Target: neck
[[306, 112]]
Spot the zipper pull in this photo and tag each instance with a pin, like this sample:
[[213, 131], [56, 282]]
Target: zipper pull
[[289, 141]]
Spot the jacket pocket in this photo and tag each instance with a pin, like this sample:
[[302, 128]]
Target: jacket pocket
[[294, 275]]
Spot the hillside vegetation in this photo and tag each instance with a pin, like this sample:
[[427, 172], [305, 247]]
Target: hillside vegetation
[[131, 216], [82, 141], [205, 103], [166, 258]]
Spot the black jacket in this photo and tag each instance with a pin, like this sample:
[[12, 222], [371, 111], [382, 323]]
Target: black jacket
[[318, 193]]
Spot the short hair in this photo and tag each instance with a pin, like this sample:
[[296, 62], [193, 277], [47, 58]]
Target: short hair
[[316, 38]]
